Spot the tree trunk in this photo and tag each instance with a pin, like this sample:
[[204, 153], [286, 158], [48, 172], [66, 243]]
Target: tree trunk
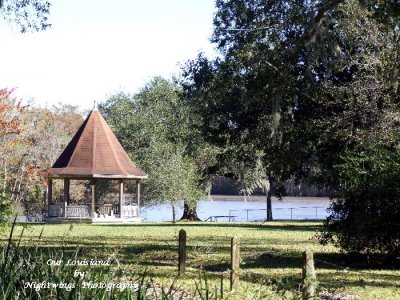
[[189, 214], [173, 213], [5, 178], [269, 205]]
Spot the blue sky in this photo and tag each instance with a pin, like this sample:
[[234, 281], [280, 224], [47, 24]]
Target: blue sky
[[96, 48]]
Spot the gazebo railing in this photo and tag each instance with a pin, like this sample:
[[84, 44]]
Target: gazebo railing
[[78, 211], [70, 211], [85, 211], [105, 209], [130, 211]]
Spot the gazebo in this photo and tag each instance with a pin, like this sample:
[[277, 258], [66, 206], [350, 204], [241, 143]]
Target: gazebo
[[94, 154]]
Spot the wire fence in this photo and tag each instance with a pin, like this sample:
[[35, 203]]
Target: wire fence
[[279, 213]]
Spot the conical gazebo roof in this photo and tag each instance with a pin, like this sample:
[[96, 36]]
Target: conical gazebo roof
[[94, 152]]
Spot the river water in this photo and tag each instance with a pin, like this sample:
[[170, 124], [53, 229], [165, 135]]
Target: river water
[[253, 209]]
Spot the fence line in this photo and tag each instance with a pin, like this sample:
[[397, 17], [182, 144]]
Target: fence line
[[277, 208], [309, 276]]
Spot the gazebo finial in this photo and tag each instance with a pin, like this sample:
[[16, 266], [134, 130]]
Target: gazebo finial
[[94, 106]]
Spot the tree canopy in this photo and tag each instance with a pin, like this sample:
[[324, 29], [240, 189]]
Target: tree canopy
[[308, 79], [298, 84], [156, 132], [31, 139]]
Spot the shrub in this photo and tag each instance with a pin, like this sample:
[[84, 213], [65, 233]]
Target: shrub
[[5, 209], [366, 219]]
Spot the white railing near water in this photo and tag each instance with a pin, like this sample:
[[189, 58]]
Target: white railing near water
[[129, 211], [70, 211], [319, 215], [289, 208]]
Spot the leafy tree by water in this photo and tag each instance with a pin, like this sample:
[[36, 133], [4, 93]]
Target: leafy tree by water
[[154, 128], [246, 95]]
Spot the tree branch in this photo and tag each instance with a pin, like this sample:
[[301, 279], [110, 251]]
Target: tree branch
[[316, 22]]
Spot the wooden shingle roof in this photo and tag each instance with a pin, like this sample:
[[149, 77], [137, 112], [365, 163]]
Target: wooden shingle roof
[[94, 152]]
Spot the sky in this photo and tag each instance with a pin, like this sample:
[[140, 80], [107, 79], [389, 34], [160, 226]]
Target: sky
[[96, 48]]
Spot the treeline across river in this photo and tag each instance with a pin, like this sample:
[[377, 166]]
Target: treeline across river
[[227, 186]]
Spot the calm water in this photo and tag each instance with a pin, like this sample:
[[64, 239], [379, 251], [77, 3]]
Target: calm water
[[296, 208]]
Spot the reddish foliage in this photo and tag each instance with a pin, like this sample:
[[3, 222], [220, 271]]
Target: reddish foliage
[[32, 175], [10, 111]]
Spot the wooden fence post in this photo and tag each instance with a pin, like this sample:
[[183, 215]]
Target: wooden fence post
[[182, 253], [235, 260], [309, 275]]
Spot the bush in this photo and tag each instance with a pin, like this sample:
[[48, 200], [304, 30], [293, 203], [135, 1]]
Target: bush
[[366, 219], [5, 209], [34, 203]]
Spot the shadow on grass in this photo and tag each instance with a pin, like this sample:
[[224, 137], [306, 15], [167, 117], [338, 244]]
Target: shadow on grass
[[330, 261], [333, 261], [219, 267], [297, 225], [362, 279], [334, 279], [131, 245]]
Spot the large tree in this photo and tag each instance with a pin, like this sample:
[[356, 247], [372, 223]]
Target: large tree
[[298, 81], [245, 96]]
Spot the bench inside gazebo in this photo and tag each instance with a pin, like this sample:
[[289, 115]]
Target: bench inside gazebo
[[94, 154]]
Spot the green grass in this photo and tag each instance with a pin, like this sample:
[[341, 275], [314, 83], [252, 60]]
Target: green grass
[[270, 256]]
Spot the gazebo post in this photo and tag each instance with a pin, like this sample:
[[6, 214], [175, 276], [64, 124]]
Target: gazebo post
[[93, 185], [121, 196], [49, 197], [138, 193], [66, 196], [66, 190]]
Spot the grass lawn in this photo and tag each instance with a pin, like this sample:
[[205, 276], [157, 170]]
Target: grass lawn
[[270, 256]]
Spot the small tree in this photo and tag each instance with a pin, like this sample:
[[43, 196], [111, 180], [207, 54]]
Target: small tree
[[10, 131], [154, 128], [5, 208]]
